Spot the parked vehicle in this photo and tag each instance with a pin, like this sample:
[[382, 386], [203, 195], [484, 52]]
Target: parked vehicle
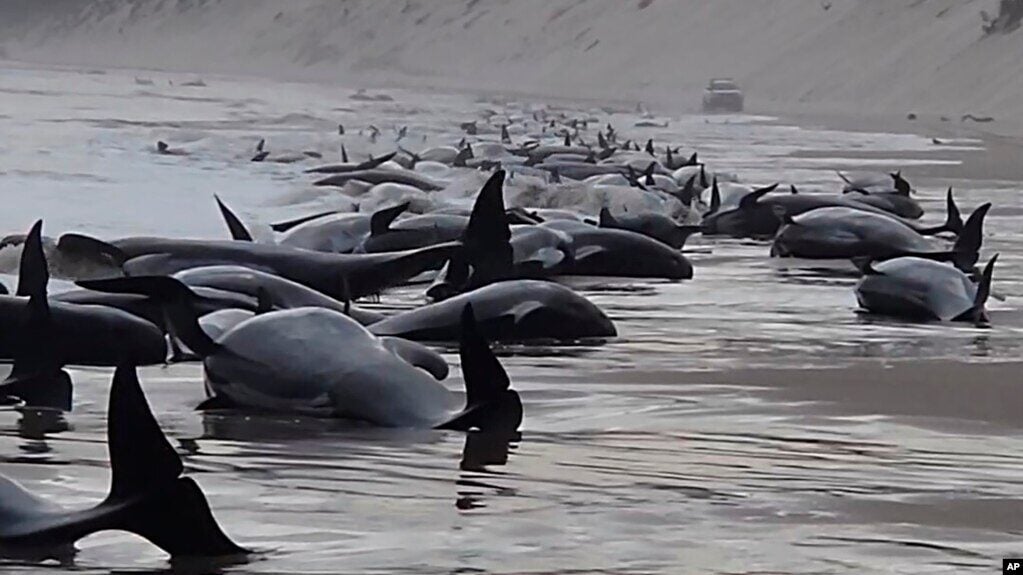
[[722, 95]]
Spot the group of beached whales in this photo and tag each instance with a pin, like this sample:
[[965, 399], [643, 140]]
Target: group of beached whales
[[277, 325]]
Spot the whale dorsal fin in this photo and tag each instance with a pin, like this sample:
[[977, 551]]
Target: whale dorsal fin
[[966, 249], [649, 173], [487, 236], [140, 455], [606, 219], [168, 510], [36, 377], [490, 403], [375, 162], [715, 196], [344, 154], [902, 186], [380, 221], [750, 199], [33, 272], [977, 313], [688, 191], [234, 224]]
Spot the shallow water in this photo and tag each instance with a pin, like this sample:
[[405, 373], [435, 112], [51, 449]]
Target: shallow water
[[748, 421]]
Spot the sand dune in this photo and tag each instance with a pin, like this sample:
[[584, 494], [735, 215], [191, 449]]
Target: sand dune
[[856, 56]]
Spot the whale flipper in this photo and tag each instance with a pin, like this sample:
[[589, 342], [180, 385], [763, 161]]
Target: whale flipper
[[490, 404]]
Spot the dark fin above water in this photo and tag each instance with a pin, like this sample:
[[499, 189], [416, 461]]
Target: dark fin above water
[[715, 196], [606, 219], [375, 162], [649, 148], [601, 141], [978, 314], [380, 221], [688, 191], [490, 405], [966, 250], [505, 136], [36, 377], [169, 511], [140, 455], [649, 174], [287, 225], [750, 199], [463, 155], [953, 219], [92, 248], [703, 177], [450, 280], [693, 160], [344, 152], [33, 272], [902, 186], [234, 224], [568, 139], [793, 189], [487, 237], [177, 299], [844, 177]]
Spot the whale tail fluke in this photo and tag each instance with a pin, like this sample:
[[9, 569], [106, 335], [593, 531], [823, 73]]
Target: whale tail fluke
[[178, 301], [234, 224], [151, 497], [490, 403]]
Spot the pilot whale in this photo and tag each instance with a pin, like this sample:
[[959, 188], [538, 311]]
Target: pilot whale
[[513, 310], [918, 288], [319, 362]]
